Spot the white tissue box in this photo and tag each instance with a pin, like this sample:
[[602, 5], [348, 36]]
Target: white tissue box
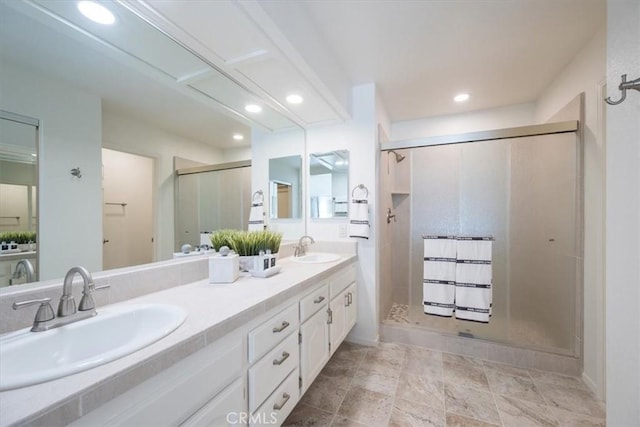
[[224, 269]]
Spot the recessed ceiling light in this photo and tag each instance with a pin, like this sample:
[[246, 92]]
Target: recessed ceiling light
[[294, 98], [238, 136], [253, 108], [96, 12], [461, 97]]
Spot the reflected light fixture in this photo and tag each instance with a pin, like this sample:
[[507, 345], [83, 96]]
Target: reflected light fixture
[[294, 98], [238, 136], [96, 12], [253, 108], [461, 97]]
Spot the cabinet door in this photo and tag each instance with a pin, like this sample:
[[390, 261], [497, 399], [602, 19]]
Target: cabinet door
[[338, 319], [226, 409], [352, 307], [314, 347]]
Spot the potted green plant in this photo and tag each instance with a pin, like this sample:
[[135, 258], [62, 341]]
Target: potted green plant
[[247, 244]]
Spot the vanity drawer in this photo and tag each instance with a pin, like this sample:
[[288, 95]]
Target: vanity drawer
[[342, 279], [313, 302], [280, 404], [265, 375], [265, 337]]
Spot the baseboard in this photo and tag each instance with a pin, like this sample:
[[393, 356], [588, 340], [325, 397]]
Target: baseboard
[[592, 386], [363, 341]]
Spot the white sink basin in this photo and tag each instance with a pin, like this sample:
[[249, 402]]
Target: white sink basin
[[316, 258], [28, 358]]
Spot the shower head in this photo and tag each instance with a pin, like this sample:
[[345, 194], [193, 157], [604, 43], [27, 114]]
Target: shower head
[[399, 157]]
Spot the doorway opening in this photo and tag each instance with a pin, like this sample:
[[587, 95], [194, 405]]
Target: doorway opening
[[128, 209]]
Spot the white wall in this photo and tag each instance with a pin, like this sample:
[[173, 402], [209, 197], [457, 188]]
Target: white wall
[[623, 218], [474, 121], [124, 134], [357, 135], [586, 73], [70, 229], [267, 146]]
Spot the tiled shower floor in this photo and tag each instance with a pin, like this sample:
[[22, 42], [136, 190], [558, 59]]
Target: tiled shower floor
[[400, 385], [519, 331]]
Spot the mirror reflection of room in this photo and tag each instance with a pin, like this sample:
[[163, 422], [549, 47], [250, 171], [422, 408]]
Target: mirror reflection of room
[[18, 200], [329, 184], [285, 187]]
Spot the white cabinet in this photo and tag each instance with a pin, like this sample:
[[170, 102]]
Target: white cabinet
[[271, 370], [226, 409], [314, 346], [176, 394], [342, 308], [279, 405]]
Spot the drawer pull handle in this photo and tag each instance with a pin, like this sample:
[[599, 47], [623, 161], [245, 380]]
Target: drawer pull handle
[[346, 300], [279, 406], [285, 356], [350, 298], [318, 300], [281, 327]]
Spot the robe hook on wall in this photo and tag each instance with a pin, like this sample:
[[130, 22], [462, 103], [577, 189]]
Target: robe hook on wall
[[76, 172], [623, 87]]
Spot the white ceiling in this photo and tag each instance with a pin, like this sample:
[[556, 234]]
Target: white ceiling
[[421, 53]]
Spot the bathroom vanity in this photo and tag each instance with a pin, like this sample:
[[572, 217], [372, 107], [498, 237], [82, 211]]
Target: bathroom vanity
[[245, 354]]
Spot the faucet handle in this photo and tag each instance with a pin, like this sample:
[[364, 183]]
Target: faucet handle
[[44, 313], [87, 302]]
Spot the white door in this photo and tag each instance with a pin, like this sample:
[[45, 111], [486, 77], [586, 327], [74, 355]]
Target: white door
[[127, 209]]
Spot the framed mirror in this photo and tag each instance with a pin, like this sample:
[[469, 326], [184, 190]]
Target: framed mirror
[[285, 187], [329, 184]]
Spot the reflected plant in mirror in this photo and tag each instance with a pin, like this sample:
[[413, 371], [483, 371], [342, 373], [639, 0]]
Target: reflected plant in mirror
[[329, 184], [285, 187]]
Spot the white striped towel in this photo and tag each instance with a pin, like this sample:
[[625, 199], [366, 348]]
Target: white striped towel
[[438, 288], [473, 279], [359, 218], [256, 217]]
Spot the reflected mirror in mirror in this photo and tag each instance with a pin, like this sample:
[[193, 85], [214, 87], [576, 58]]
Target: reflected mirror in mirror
[[329, 184], [18, 198], [285, 187]]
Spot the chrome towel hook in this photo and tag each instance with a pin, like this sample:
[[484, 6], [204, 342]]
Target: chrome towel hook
[[624, 86]]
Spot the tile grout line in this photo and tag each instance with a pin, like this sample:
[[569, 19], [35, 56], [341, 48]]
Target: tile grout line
[[493, 396]]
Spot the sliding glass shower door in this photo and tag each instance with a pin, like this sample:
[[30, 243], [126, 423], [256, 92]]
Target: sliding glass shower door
[[523, 192]]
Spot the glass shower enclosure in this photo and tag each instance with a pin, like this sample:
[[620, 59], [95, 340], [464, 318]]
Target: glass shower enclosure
[[211, 198], [525, 193]]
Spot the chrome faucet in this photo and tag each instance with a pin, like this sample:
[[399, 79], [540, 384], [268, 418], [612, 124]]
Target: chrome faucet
[[46, 319], [67, 305], [23, 268], [301, 248]]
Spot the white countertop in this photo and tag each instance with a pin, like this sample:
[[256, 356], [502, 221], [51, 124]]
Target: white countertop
[[213, 310]]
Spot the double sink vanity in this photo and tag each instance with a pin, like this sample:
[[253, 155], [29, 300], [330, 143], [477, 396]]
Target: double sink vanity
[[192, 354]]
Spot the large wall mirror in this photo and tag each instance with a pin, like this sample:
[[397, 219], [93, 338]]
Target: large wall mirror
[[329, 184], [285, 187], [127, 88]]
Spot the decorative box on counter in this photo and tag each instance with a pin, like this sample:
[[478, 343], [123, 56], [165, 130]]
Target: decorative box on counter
[[224, 269]]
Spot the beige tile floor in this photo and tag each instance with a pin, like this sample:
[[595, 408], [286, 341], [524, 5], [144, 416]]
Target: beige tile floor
[[399, 385]]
